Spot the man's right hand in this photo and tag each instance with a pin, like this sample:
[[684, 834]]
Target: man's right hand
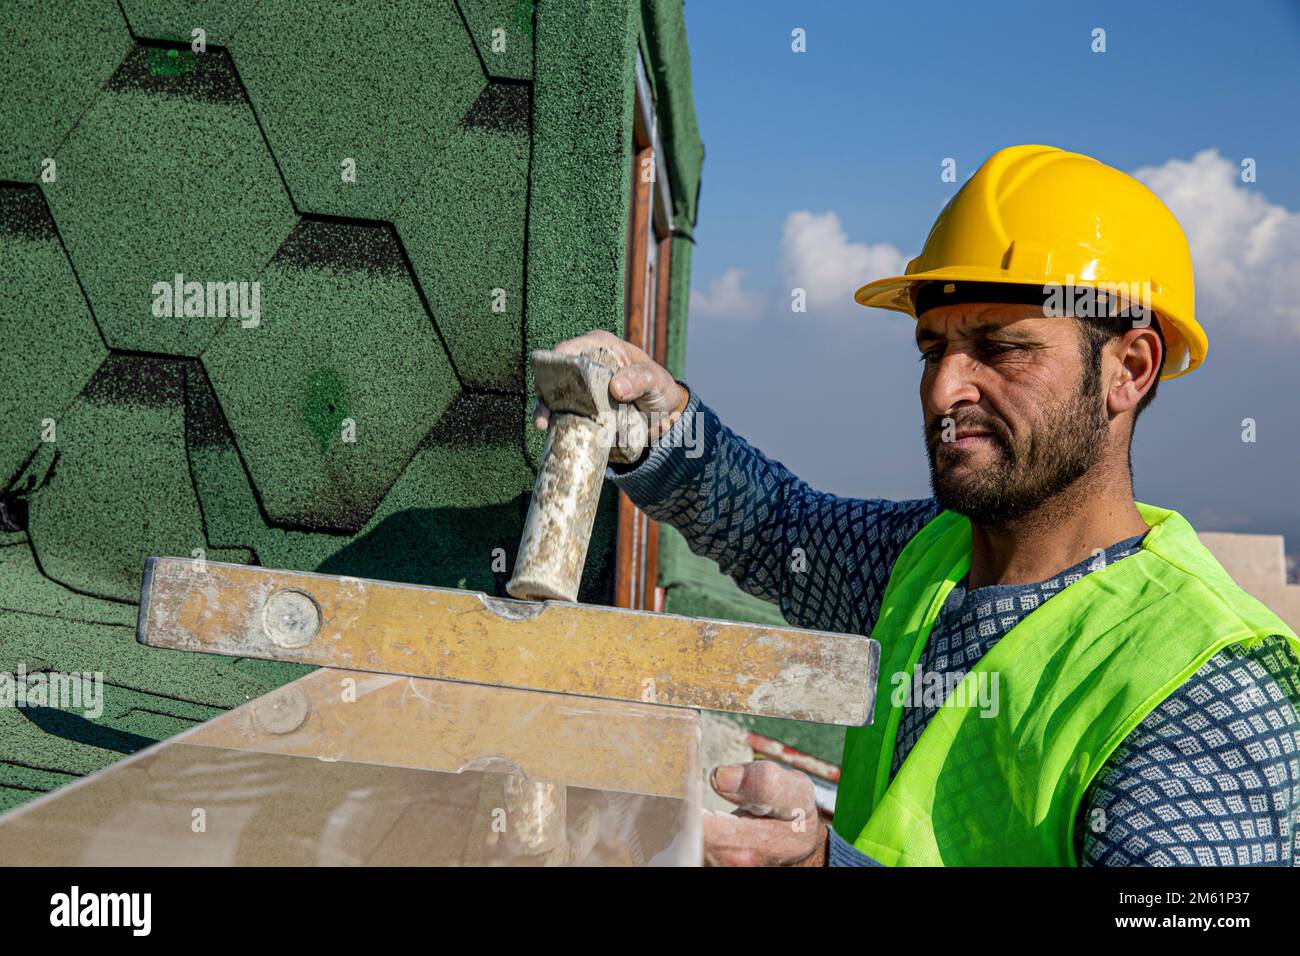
[[639, 380]]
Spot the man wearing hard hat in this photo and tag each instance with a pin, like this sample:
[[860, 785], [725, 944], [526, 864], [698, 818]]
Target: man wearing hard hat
[[1067, 675]]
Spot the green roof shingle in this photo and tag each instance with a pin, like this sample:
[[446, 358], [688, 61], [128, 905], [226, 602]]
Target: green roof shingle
[[380, 83], [166, 174], [51, 346], [176, 20], [55, 57], [502, 31], [475, 203], [119, 489], [330, 393]]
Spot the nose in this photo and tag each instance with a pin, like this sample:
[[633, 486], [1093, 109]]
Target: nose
[[950, 383]]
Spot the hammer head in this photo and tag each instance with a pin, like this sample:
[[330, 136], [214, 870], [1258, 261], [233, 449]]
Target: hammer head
[[586, 431], [579, 385]]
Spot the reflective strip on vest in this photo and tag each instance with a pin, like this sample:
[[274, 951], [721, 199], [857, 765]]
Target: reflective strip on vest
[[1000, 785]]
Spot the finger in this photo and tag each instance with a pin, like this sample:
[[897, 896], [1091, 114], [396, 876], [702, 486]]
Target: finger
[[765, 789], [731, 840], [734, 841], [597, 338], [541, 415], [632, 383]]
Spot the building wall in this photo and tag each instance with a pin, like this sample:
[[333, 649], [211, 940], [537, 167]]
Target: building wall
[[372, 418]]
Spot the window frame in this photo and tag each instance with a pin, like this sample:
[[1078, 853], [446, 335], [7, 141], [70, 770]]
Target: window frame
[[646, 317]]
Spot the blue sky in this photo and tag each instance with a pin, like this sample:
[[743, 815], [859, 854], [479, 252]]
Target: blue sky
[[823, 166]]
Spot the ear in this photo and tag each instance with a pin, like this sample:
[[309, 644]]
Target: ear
[[1136, 369]]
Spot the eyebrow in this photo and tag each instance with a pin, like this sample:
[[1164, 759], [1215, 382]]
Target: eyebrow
[[979, 328]]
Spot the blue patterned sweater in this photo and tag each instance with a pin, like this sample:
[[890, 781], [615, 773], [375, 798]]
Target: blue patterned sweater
[[1211, 777]]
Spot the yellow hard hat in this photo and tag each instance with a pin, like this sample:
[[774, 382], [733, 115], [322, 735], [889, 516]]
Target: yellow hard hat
[[1038, 215]]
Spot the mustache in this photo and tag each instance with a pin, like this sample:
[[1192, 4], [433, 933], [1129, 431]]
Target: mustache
[[976, 423]]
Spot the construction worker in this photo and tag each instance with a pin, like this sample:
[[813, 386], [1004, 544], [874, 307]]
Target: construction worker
[[1067, 676]]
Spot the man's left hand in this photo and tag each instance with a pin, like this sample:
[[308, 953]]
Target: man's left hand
[[776, 823]]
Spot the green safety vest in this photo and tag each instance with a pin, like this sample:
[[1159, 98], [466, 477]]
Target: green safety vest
[[1000, 786]]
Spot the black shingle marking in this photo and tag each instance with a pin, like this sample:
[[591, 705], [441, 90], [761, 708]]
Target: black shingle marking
[[475, 419], [13, 514], [504, 107], [23, 213], [342, 246], [137, 380], [205, 422], [208, 77]]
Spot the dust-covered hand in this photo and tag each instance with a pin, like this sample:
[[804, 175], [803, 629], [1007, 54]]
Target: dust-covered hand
[[776, 823], [639, 380]]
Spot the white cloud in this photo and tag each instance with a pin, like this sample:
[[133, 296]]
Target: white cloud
[[818, 257], [726, 298], [815, 255], [1245, 249]]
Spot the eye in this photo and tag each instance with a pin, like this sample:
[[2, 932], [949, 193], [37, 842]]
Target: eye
[[932, 355], [995, 348]]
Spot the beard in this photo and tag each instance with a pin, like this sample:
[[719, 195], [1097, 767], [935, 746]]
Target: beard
[[1066, 442]]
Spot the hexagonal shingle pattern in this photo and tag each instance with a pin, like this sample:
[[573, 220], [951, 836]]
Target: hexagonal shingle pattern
[[343, 338], [166, 173], [51, 346], [120, 489], [172, 169], [476, 199], [56, 56], [462, 496], [379, 84]]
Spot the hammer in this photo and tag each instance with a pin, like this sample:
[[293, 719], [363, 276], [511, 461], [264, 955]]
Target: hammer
[[585, 433]]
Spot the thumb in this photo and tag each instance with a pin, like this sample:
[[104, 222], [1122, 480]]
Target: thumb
[[635, 383], [763, 789]]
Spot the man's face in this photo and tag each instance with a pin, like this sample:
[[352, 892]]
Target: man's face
[[1011, 418]]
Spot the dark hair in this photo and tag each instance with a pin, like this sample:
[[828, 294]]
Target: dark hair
[[1095, 332]]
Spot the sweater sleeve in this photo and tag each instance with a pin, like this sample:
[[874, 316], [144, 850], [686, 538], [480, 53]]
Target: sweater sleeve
[[840, 852], [822, 559], [1211, 777]]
